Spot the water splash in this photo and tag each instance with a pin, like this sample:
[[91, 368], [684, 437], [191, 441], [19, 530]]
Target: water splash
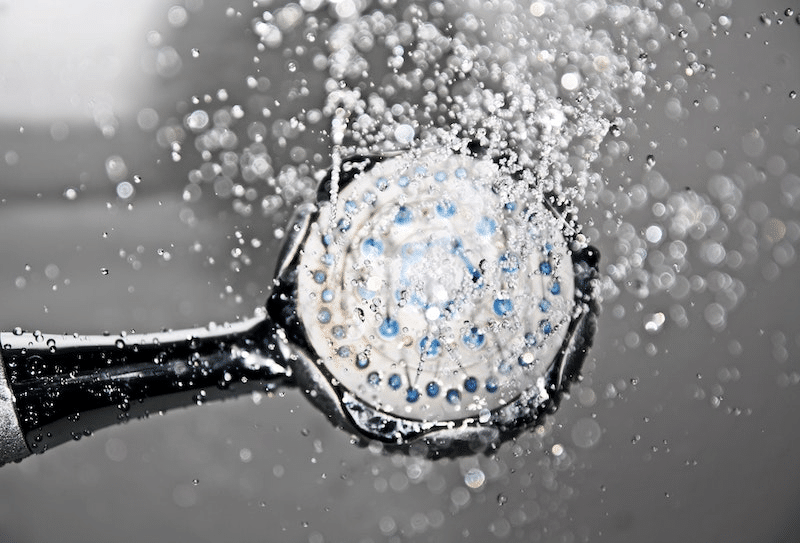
[[560, 87]]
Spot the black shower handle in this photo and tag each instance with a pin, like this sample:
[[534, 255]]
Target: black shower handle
[[56, 388]]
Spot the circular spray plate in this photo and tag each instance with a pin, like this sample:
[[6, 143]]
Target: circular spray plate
[[429, 294]]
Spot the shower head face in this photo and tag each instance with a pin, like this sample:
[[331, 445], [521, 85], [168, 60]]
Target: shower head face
[[428, 297]]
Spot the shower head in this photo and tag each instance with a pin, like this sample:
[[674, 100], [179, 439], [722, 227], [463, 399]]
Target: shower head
[[420, 301], [426, 301]]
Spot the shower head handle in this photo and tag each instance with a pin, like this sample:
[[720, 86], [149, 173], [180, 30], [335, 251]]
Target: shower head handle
[[58, 388]]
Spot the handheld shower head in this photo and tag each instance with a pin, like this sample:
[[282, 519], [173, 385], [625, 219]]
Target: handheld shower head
[[419, 302]]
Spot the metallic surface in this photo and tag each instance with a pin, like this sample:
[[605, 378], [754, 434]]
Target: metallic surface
[[68, 386], [12, 440]]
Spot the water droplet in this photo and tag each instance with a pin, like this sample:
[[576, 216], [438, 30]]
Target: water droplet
[[125, 190], [245, 455], [654, 323], [404, 134], [571, 81], [586, 433], [474, 478], [116, 168], [197, 120]]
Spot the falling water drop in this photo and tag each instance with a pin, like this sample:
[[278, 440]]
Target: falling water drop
[[474, 478]]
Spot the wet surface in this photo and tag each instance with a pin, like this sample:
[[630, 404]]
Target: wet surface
[[680, 429]]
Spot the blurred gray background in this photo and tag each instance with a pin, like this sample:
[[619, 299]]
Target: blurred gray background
[[696, 439]]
